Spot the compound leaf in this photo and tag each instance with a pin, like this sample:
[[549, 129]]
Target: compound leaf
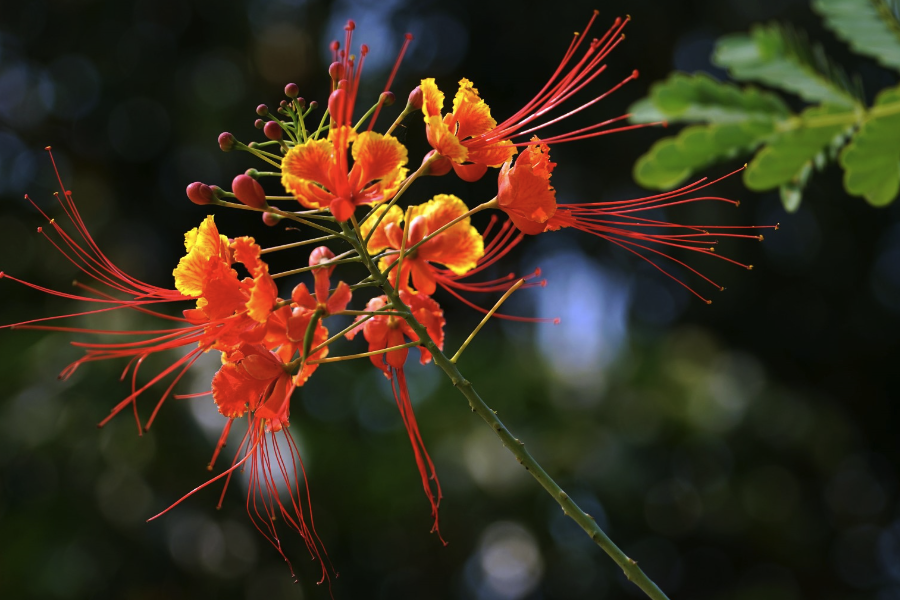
[[700, 98], [780, 57], [670, 161], [871, 27], [789, 157], [871, 160]]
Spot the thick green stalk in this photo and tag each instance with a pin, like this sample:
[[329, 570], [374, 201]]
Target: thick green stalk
[[629, 566]]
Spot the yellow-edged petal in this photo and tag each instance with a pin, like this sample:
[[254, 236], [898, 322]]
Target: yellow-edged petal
[[433, 99], [444, 141], [308, 168], [473, 116], [377, 156], [459, 247], [202, 243], [379, 240]]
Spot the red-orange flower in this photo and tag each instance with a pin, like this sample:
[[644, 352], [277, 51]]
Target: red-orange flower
[[471, 140], [525, 194], [387, 331]]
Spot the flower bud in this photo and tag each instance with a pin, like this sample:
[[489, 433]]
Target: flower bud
[[252, 173], [416, 98], [387, 98], [292, 90], [336, 103], [300, 102], [262, 110], [226, 141], [313, 105], [200, 193], [217, 192], [320, 255], [271, 219], [259, 123], [336, 71], [273, 130], [249, 191]]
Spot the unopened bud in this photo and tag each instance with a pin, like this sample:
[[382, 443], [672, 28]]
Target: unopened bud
[[262, 110], [300, 102], [226, 141], [249, 191], [252, 173], [292, 90], [416, 98], [283, 104], [387, 98], [313, 105], [259, 123], [321, 255], [200, 193], [336, 71], [336, 103], [271, 219], [273, 130], [217, 192]]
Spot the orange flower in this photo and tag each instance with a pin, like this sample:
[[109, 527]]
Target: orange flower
[[524, 191], [460, 135], [458, 248], [471, 140], [525, 194], [317, 174]]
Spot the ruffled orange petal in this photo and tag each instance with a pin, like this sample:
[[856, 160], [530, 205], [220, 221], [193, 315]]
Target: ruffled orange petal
[[493, 155], [376, 157], [524, 190], [433, 99], [223, 294], [428, 313], [202, 244], [443, 140], [263, 291], [307, 166], [457, 248], [473, 116], [234, 392], [379, 240]]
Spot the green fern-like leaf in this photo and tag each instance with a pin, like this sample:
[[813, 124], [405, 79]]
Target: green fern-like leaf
[[871, 27], [700, 98], [670, 161], [780, 57], [788, 159], [871, 160]]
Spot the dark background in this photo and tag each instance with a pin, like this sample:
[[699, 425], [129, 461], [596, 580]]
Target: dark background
[[743, 450]]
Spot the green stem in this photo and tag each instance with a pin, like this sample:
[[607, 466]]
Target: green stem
[[629, 566]]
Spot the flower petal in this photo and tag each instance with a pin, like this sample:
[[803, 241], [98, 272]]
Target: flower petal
[[202, 243], [444, 141], [473, 116], [459, 247], [379, 240], [307, 166], [433, 99], [376, 157]]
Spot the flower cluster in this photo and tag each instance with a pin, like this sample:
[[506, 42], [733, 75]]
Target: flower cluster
[[271, 341]]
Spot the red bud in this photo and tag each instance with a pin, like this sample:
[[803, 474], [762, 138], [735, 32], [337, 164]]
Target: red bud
[[200, 193], [249, 191], [416, 98], [226, 141], [273, 130]]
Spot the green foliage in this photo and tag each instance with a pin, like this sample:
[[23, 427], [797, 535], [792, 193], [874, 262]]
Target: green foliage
[[780, 57], [871, 160], [784, 148], [871, 27]]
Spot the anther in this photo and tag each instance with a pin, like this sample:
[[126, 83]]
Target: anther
[[749, 267], [761, 238]]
